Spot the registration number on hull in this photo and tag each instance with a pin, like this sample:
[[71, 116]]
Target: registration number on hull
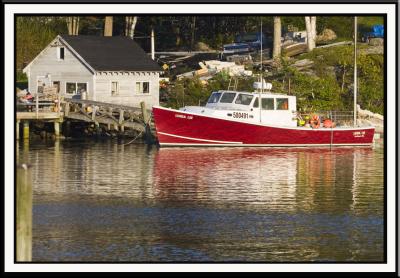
[[240, 115]]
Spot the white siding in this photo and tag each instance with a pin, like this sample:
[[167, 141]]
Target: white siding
[[71, 69], [68, 70], [127, 83]]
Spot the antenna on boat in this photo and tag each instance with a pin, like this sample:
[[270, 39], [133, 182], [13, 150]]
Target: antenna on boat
[[355, 72], [261, 75]]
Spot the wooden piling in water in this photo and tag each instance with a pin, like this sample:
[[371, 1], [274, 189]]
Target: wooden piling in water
[[148, 137], [57, 129], [26, 130], [17, 127], [24, 213]]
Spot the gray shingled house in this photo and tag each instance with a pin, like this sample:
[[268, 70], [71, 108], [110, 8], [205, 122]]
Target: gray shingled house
[[107, 69]]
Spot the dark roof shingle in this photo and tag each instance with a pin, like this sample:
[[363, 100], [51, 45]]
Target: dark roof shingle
[[111, 53]]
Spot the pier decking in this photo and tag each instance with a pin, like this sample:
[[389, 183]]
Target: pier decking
[[116, 117]]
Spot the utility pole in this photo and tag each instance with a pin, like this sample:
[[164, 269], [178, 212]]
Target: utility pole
[[152, 44]]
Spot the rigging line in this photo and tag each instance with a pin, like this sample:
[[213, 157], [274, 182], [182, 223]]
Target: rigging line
[[148, 121]]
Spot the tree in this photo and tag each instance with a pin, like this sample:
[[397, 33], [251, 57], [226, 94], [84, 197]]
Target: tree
[[193, 29], [130, 25], [73, 25], [311, 28], [277, 37], [108, 26]]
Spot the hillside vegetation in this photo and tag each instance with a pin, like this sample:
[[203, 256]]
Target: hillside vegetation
[[325, 85]]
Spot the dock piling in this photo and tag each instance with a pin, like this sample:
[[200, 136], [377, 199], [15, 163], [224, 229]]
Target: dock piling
[[24, 214], [148, 137], [26, 130], [17, 127], [57, 129]]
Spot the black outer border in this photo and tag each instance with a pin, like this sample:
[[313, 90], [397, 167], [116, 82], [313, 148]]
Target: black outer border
[[252, 2]]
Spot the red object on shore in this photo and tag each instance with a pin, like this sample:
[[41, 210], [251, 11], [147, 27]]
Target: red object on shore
[[180, 128]]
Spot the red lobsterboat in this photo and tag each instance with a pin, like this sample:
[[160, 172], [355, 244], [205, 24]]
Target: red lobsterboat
[[232, 118]]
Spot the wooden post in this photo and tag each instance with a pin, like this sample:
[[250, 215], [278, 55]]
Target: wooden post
[[17, 131], [37, 105], [144, 112], [66, 112], [94, 108], [57, 129], [24, 214], [121, 120], [26, 130], [146, 123]]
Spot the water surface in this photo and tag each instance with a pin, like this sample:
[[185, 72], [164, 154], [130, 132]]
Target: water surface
[[103, 201]]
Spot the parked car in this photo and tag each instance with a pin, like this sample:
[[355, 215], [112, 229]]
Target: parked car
[[377, 32], [248, 42]]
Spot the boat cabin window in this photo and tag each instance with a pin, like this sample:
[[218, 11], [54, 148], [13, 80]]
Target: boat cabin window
[[255, 104], [227, 97], [244, 99], [267, 103], [214, 98], [282, 104]]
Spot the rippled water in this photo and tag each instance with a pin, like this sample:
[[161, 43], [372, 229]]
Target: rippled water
[[102, 201]]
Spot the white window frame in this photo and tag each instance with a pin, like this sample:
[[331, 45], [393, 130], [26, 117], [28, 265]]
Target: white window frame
[[76, 87], [143, 94], [117, 94], [59, 53]]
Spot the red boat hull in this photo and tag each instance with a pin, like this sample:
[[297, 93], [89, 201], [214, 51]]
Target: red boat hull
[[178, 128]]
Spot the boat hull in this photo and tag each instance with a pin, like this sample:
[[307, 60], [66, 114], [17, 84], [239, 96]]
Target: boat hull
[[179, 128]]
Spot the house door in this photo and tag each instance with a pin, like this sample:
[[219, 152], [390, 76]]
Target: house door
[[56, 84]]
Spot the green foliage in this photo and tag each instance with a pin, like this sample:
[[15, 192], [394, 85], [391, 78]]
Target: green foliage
[[33, 34], [341, 60], [328, 86], [192, 91], [371, 82]]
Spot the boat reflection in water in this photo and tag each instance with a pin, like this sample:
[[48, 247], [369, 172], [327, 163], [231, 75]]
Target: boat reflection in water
[[283, 179], [107, 202]]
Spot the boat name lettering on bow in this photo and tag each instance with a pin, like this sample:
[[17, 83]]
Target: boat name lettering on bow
[[183, 116], [359, 133], [240, 115]]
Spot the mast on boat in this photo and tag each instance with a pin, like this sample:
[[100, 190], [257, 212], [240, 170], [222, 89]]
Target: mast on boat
[[355, 72]]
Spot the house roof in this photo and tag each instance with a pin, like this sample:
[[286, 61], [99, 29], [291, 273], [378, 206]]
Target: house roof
[[111, 53]]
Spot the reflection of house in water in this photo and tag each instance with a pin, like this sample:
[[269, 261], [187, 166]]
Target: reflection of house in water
[[95, 169]]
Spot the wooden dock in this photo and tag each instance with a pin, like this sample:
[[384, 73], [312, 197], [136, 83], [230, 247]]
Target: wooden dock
[[114, 116]]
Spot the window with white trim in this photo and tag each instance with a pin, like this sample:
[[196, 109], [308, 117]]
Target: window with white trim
[[75, 88], [71, 88], [114, 88], [142, 87]]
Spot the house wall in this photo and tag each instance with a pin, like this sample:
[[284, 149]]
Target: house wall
[[72, 69], [127, 88], [68, 70]]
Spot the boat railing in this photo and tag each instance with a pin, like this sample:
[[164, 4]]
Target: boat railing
[[341, 118]]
